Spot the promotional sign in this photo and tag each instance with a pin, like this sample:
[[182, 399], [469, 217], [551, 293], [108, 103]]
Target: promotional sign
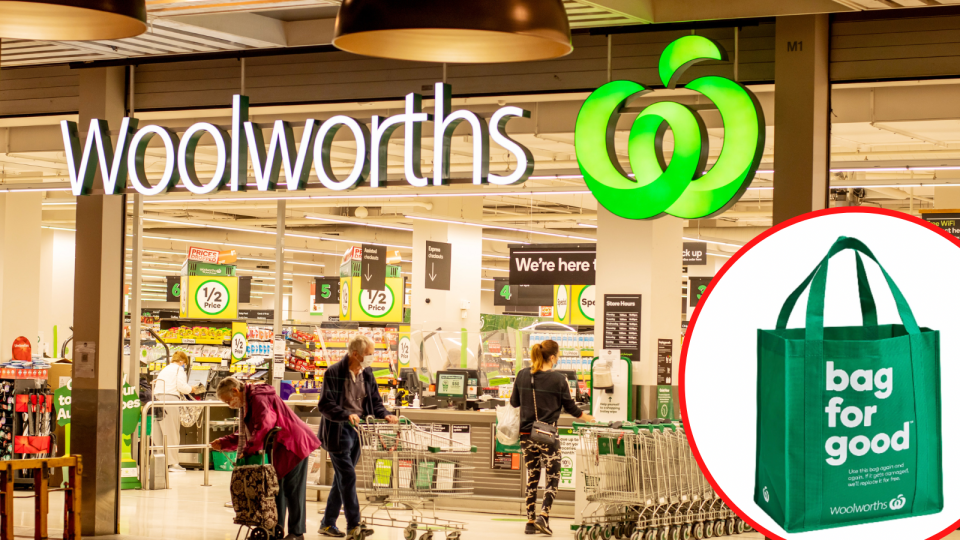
[[173, 288], [364, 305], [698, 286], [238, 343], [664, 362], [694, 253], [505, 294], [124, 162], [569, 444], [561, 304], [553, 264], [584, 304], [129, 472], [948, 221], [227, 257], [394, 257], [437, 275], [373, 267], [211, 256], [665, 402], [546, 311], [621, 324], [656, 189], [209, 297]]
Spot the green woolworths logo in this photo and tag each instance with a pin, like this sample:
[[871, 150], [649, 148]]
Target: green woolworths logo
[[681, 188]]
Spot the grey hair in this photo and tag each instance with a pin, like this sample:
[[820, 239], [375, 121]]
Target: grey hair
[[228, 384], [359, 344]]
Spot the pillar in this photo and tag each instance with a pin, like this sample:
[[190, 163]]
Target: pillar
[[20, 283], [645, 258], [431, 309], [98, 319], [801, 151]]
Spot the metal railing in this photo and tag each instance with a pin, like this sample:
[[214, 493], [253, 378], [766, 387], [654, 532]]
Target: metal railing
[[146, 448]]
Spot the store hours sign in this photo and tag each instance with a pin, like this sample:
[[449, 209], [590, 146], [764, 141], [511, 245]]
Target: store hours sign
[[123, 163]]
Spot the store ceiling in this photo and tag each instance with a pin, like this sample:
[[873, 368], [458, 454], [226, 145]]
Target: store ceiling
[[178, 27]]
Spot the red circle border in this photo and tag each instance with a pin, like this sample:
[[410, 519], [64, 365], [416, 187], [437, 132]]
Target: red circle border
[[688, 336]]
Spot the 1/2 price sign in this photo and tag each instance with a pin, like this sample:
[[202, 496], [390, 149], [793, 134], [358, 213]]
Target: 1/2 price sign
[[210, 297]]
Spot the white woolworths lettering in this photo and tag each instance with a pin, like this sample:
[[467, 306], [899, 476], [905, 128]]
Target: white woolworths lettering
[[125, 161], [861, 380]]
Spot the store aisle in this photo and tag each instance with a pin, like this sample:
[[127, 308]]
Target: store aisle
[[192, 512]]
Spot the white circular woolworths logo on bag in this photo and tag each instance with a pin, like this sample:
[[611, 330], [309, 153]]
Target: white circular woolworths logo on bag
[[898, 503], [766, 494]]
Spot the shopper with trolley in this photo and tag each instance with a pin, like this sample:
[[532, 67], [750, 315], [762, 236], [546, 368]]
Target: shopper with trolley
[[261, 410], [541, 395], [349, 394]]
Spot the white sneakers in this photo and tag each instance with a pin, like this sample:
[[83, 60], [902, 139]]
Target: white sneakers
[[176, 468]]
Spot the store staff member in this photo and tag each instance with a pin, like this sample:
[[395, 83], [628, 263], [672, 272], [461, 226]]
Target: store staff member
[[349, 393], [170, 385]]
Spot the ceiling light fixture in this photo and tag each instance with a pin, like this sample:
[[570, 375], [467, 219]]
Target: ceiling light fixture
[[72, 20], [456, 32]]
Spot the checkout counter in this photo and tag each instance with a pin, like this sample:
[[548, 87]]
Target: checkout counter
[[498, 473]]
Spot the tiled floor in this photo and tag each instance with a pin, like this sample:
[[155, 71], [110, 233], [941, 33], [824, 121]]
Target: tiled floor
[[192, 512]]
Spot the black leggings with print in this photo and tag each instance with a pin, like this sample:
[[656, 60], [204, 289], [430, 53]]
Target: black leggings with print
[[535, 457]]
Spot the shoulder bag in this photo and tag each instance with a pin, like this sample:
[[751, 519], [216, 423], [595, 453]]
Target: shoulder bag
[[541, 432]]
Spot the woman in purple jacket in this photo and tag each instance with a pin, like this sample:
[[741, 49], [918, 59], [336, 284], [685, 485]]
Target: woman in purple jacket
[[262, 410]]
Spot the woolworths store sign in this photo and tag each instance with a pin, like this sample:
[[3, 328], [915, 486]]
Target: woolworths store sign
[[123, 163], [682, 187]]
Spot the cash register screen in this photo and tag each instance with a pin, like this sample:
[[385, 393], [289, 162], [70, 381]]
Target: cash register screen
[[451, 384], [198, 376]]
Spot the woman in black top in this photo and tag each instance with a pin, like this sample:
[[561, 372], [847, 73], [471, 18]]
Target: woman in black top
[[552, 396]]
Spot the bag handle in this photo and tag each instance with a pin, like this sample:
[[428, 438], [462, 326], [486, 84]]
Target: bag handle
[[815, 304], [868, 308], [867, 304]]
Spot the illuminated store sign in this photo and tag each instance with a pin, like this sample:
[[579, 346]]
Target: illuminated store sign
[[681, 188], [125, 162]]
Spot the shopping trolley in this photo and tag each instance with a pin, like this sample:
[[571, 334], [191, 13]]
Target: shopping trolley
[[403, 469], [643, 483]]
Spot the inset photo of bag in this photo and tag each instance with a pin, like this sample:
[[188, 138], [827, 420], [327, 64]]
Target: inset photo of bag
[[815, 379], [848, 417]]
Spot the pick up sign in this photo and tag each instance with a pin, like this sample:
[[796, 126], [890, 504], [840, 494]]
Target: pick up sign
[[553, 265]]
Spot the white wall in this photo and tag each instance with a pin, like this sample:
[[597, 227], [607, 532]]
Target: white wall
[[57, 258], [20, 255], [301, 302]]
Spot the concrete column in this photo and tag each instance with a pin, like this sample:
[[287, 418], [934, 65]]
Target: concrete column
[[20, 253], [431, 309], [801, 151], [98, 309], [643, 257]]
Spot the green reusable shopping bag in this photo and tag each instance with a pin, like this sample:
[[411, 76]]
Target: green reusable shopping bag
[[848, 418]]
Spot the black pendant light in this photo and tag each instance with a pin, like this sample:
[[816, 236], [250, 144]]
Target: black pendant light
[[455, 31], [72, 20]]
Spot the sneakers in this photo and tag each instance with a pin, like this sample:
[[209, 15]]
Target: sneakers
[[176, 468], [543, 526], [360, 531], [331, 530], [531, 529], [295, 536]]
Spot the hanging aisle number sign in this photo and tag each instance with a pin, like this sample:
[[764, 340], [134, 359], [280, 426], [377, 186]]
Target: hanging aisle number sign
[[124, 162]]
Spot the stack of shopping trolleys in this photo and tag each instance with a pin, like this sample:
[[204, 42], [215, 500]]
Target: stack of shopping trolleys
[[643, 483], [404, 467]]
